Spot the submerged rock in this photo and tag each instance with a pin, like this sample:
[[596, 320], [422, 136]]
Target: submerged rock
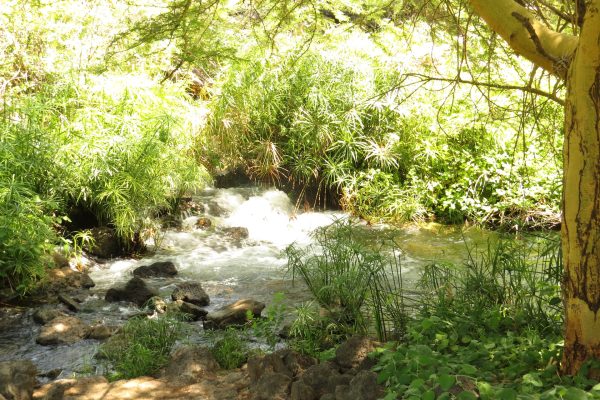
[[191, 292], [135, 291], [236, 233], [17, 379], [62, 330], [233, 314], [161, 269]]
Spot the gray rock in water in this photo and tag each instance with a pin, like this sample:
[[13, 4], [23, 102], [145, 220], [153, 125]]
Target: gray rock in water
[[233, 314], [44, 315], [69, 302], [236, 233], [17, 379], [191, 292], [161, 269], [135, 291], [62, 330]]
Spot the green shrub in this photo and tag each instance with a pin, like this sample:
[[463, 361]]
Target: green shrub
[[143, 346], [26, 235]]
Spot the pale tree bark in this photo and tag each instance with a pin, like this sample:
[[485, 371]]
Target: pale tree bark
[[581, 198], [577, 60]]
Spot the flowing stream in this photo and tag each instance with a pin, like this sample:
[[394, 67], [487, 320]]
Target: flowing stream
[[229, 268]]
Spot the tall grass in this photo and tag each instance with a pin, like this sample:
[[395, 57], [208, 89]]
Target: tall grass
[[510, 282], [26, 234], [356, 286], [142, 346]]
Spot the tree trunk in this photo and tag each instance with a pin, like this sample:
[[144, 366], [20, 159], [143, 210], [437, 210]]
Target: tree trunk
[[580, 231]]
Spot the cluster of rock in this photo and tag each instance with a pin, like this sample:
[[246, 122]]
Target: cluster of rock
[[193, 373], [285, 374], [188, 297]]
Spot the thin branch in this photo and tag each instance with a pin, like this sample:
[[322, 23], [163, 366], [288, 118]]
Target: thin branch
[[458, 79]]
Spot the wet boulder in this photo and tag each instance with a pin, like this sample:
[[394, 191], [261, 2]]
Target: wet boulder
[[233, 314], [17, 379], [191, 292], [236, 233], [46, 314], [69, 302], [160, 269], [135, 291], [204, 223], [62, 330], [64, 279]]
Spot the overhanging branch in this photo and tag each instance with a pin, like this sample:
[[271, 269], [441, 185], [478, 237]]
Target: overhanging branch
[[492, 85]]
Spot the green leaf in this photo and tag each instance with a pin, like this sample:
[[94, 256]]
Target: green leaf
[[574, 393], [507, 394], [467, 369], [417, 383], [555, 301], [428, 395], [466, 396], [532, 379], [390, 396], [446, 381]]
